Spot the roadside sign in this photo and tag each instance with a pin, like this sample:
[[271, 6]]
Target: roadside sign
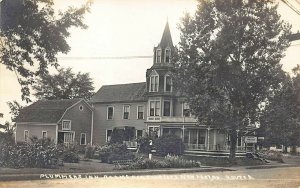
[[250, 139]]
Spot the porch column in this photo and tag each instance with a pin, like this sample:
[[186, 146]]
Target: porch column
[[197, 138], [189, 138], [237, 140], [215, 139], [208, 129], [182, 133]]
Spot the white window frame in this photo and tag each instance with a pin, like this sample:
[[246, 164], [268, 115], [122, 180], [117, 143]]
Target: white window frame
[[137, 111], [62, 125], [126, 105], [155, 101], [136, 131], [166, 55], [43, 134], [26, 139], [165, 85], [154, 126], [73, 137], [81, 138], [112, 117], [155, 79], [156, 55], [106, 136]]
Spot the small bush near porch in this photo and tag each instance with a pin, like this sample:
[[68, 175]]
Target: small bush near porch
[[169, 144]]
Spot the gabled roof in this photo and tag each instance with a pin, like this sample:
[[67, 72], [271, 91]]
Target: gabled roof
[[46, 111], [166, 39], [120, 93]]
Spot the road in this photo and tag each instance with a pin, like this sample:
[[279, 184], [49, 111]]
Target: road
[[254, 178]]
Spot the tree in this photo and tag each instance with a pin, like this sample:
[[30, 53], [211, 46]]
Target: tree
[[32, 34], [227, 62], [64, 85], [281, 119], [15, 109]]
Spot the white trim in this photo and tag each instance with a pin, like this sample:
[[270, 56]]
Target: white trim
[[27, 135], [56, 135], [153, 75], [81, 138], [62, 125], [137, 111], [126, 105], [80, 106], [165, 55], [136, 131], [92, 128], [112, 114], [43, 134], [155, 100], [156, 53]]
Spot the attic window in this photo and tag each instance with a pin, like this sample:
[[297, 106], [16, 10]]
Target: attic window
[[80, 107], [167, 55], [158, 55]]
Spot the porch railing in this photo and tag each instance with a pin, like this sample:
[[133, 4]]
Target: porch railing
[[130, 144], [212, 147]]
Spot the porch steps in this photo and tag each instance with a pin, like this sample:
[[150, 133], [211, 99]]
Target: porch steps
[[199, 153]]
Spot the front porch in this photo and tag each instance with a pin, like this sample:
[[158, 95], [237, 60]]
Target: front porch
[[201, 138]]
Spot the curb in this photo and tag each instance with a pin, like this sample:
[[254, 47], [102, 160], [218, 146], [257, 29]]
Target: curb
[[94, 175]]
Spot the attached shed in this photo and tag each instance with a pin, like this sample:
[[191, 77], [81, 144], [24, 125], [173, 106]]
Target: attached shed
[[68, 121]]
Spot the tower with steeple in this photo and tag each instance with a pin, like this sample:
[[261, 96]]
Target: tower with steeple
[[159, 82]]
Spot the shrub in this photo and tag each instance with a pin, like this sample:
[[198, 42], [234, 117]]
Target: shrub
[[143, 144], [37, 154], [69, 154], [169, 144], [271, 155], [89, 152], [178, 162], [111, 152], [167, 162]]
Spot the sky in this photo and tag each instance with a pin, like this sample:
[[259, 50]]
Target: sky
[[118, 28]]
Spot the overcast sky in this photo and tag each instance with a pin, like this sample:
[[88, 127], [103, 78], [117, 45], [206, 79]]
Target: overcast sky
[[125, 28]]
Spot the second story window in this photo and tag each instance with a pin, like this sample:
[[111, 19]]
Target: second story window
[[158, 56], [154, 81], [126, 110], [140, 112], [168, 55], [110, 112], [66, 125], [154, 108], [167, 108], [168, 84]]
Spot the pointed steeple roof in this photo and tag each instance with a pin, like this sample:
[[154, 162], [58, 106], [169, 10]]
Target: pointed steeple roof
[[166, 39]]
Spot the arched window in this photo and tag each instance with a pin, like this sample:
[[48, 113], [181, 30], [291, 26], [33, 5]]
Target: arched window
[[158, 56], [167, 55]]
